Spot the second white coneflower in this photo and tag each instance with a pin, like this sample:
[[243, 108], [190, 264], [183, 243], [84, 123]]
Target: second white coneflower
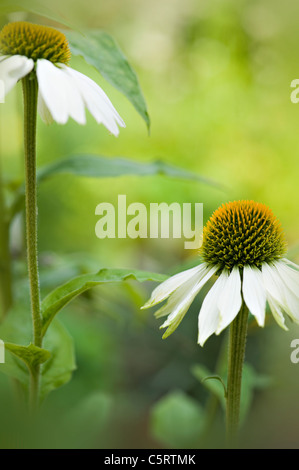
[[244, 247], [63, 92]]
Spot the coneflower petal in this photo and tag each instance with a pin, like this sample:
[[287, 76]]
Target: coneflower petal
[[276, 312], [43, 110], [59, 93], [230, 300], [280, 292], [273, 284], [290, 263], [254, 293], [174, 282], [208, 318], [196, 281], [96, 101], [13, 68], [183, 299], [289, 276]]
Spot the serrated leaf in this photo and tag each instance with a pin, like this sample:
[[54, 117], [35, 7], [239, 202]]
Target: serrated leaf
[[32, 6], [100, 50], [61, 296], [177, 420]]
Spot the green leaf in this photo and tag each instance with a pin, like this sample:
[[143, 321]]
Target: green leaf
[[16, 329], [100, 50], [61, 296], [57, 356], [32, 6], [177, 421], [98, 166], [58, 370], [31, 355]]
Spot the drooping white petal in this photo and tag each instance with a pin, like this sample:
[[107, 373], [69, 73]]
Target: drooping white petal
[[197, 281], [184, 299], [209, 314], [44, 111], [254, 293], [176, 297], [291, 301], [288, 262], [292, 304], [230, 300], [280, 292], [273, 283], [170, 285], [179, 309], [276, 312], [59, 93], [289, 276], [13, 68], [96, 101]]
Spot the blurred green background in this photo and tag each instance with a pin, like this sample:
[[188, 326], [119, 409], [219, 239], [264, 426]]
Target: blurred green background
[[216, 77]]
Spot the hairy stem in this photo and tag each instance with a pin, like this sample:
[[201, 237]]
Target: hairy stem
[[6, 295], [30, 111], [236, 354]]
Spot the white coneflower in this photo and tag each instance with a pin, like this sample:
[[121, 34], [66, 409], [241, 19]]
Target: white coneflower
[[63, 91], [243, 245]]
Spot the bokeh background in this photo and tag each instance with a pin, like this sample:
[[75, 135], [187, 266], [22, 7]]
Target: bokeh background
[[216, 77]]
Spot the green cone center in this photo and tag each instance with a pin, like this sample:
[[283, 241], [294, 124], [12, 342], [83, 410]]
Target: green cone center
[[35, 42], [242, 233]]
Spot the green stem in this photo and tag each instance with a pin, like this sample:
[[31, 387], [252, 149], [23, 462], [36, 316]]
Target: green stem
[[5, 263], [236, 353], [30, 111], [6, 295]]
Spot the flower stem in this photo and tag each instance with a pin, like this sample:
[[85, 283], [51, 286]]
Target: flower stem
[[5, 262], [6, 295], [30, 112], [236, 353]]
